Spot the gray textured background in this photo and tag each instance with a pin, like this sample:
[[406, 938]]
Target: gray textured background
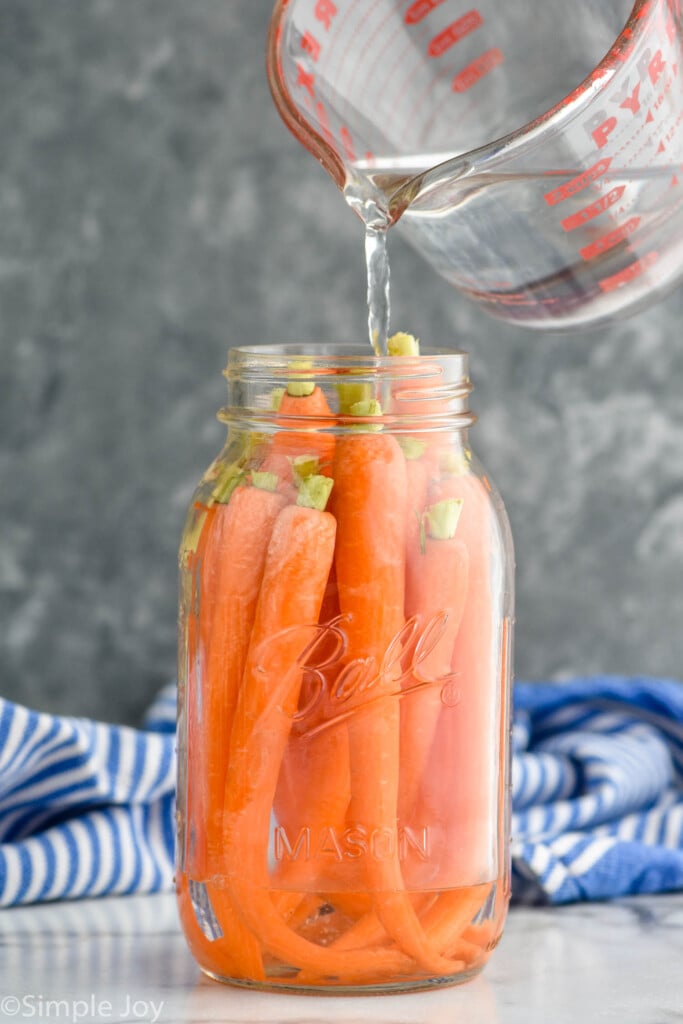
[[154, 211]]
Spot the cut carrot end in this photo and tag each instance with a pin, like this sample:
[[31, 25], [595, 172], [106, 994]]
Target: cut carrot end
[[402, 344], [442, 518], [455, 463], [412, 448], [350, 393], [301, 388], [367, 410], [304, 466], [314, 492], [264, 481], [227, 482]]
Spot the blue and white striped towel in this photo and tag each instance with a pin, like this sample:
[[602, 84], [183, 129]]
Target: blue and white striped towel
[[88, 809]]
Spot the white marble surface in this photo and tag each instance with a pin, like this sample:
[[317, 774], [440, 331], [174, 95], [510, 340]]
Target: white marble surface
[[125, 960]]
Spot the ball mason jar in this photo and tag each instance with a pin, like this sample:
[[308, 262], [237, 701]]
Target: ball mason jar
[[346, 603]]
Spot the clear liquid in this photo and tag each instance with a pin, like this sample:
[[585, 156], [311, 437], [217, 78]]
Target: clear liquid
[[379, 302], [464, 924], [369, 203]]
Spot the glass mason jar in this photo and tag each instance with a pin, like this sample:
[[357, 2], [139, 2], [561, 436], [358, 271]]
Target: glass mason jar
[[345, 656]]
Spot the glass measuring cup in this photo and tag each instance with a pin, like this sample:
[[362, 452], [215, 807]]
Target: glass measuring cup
[[532, 153]]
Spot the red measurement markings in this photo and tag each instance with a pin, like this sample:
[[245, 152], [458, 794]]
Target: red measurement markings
[[630, 273], [602, 129], [420, 10], [608, 241], [594, 210], [475, 71], [582, 181], [454, 33], [324, 12], [306, 80], [311, 45]]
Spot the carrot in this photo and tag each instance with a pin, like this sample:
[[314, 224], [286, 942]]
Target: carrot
[[198, 529], [370, 480], [297, 566], [369, 930], [313, 792], [303, 406], [461, 787], [413, 390], [233, 954], [189, 725], [448, 919], [234, 560], [418, 471], [314, 784], [419, 390], [436, 588]]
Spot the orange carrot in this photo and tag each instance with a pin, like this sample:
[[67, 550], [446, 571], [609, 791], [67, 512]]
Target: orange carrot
[[234, 954], [313, 792], [369, 930], [418, 471], [297, 566], [370, 503], [436, 588], [303, 414], [314, 784], [447, 920], [189, 725], [414, 389], [234, 559], [461, 790]]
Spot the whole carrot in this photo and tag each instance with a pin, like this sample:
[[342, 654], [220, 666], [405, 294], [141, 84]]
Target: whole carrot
[[223, 481], [436, 589], [297, 567], [370, 503], [233, 564], [462, 784]]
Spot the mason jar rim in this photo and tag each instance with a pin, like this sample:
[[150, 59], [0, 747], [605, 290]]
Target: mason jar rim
[[426, 392], [334, 356]]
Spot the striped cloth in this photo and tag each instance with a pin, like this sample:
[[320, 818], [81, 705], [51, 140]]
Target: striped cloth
[[597, 789], [88, 809], [85, 809]]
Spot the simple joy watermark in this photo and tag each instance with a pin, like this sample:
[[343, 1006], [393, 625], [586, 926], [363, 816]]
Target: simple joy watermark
[[89, 1007]]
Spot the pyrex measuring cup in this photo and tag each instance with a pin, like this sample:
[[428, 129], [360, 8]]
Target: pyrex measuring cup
[[533, 153]]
